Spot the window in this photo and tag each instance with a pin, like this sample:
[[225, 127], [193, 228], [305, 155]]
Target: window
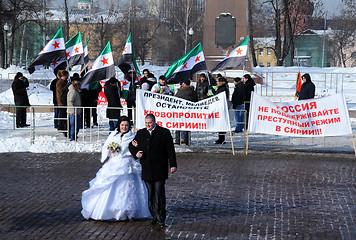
[[260, 50], [269, 52], [268, 64], [261, 65]]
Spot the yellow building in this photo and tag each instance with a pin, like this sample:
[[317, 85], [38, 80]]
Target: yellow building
[[264, 53]]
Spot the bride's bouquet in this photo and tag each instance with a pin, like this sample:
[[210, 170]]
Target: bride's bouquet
[[113, 146]]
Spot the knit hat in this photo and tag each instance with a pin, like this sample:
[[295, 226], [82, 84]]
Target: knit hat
[[19, 74]]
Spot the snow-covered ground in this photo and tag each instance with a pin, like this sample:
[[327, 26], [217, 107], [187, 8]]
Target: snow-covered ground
[[45, 139]]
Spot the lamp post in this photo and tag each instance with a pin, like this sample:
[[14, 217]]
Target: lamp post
[[191, 32], [6, 29]]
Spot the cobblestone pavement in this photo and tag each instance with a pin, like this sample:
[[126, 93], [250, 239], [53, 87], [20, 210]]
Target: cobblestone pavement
[[212, 196]]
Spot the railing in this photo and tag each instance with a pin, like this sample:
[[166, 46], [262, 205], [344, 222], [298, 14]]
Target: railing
[[41, 120]]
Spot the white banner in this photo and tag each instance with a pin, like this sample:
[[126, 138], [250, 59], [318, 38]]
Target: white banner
[[326, 116], [174, 113]]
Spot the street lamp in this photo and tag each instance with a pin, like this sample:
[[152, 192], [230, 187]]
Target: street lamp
[[6, 29], [191, 32]]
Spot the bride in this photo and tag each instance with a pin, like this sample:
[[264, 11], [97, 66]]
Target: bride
[[117, 192]]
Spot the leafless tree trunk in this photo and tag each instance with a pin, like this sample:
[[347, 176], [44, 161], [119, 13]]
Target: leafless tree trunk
[[67, 20], [251, 32]]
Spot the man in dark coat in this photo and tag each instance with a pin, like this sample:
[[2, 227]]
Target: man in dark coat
[[155, 149], [112, 93], [202, 87], [238, 98], [308, 88], [222, 87], [187, 92], [19, 86], [249, 87], [56, 109]]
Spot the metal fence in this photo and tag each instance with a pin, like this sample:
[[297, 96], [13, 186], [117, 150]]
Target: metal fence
[[41, 119]]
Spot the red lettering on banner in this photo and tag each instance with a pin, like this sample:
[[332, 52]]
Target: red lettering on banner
[[180, 115], [168, 124], [195, 126], [181, 125], [217, 115], [278, 128], [175, 125], [262, 109], [159, 123]]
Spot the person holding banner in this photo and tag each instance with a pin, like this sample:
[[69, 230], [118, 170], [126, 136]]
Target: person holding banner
[[186, 92], [153, 145], [249, 88], [222, 87], [161, 86], [308, 88], [237, 100]]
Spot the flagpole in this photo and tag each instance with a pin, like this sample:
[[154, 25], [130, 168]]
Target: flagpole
[[232, 144], [246, 149], [84, 68], [353, 141]]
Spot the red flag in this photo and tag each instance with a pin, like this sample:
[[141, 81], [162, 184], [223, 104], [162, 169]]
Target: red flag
[[298, 85]]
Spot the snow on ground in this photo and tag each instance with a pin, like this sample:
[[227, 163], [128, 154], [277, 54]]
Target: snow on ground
[[48, 140]]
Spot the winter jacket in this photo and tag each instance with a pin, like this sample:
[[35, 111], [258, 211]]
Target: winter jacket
[[223, 88], [158, 153], [249, 87], [147, 83], [238, 97], [202, 90], [187, 93], [308, 88], [20, 93], [60, 85], [113, 96], [74, 100], [53, 89]]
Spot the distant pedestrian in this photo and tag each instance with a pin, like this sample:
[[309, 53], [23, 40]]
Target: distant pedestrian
[[249, 88], [222, 87], [61, 84], [19, 86], [202, 87], [55, 104], [308, 88]]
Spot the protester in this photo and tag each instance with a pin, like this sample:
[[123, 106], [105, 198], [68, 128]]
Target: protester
[[237, 100], [117, 192], [75, 110], [222, 87], [61, 84], [19, 86], [186, 92], [131, 98], [161, 86], [112, 91], [202, 87], [249, 87], [148, 82], [90, 102], [56, 109], [308, 88], [155, 149], [145, 73]]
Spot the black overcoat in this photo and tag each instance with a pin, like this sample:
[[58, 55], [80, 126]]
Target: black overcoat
[[20, 93], [112, 94], [158, 153]]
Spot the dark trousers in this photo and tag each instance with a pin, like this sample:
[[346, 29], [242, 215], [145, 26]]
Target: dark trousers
[[157, 200], [88, 113], [56, 116], [62, 124], [20, 116], [130, 105]]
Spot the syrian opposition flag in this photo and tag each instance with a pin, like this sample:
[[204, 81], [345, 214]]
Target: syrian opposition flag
[[128, 61], [54, 51], [125, 88], [298, 85], [187, 65], [236, 58], [102, 68], [75, 51]]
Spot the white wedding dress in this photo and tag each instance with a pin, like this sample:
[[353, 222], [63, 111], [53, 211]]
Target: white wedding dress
[[117, 192]]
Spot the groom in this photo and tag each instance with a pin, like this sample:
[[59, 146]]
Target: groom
[[155, 149]]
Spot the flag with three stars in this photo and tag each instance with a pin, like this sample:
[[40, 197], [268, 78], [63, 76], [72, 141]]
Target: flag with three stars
[[54, 51], [102, 68], [236, 58], [127, 61], [187, 65]]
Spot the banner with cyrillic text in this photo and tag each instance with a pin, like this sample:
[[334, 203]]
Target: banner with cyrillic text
[[174, 113], [326, 116]]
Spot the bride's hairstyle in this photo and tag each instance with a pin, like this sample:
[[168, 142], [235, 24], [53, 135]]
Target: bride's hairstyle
[[123, 119]]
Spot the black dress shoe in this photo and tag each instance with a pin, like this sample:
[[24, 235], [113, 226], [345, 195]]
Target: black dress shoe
[[18, 126], [26, 125]]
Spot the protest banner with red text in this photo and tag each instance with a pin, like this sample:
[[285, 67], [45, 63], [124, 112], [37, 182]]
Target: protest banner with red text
[[174, 113], [326, 116]]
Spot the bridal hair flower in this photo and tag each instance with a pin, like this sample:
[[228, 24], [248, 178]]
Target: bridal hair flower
[[113, 146]]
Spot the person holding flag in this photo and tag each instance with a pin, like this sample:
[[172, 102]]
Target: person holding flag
[[307, 91], [161, 86]]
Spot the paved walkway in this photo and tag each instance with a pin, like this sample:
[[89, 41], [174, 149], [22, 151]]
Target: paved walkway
[[212, 196]]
